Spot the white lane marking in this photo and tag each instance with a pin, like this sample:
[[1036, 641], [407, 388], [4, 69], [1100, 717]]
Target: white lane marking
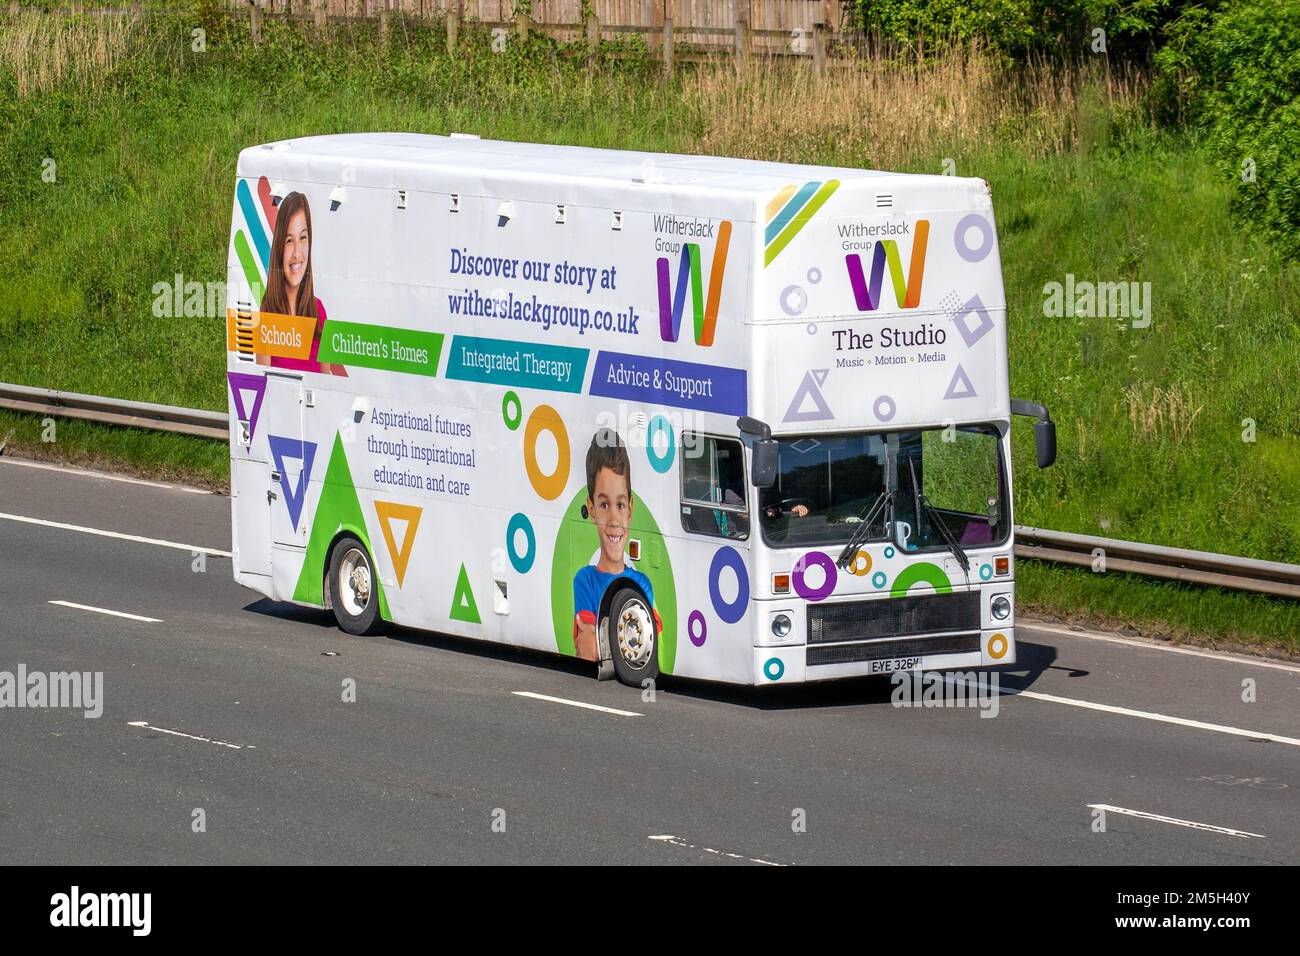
[[108, 476], [1142, 814], [192, 548], [575, 703], [669, 838], [176, 733], [1148, 715], [104, 610], [1172, 649]]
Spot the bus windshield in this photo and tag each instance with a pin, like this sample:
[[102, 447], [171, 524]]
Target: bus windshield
[[826, 484]]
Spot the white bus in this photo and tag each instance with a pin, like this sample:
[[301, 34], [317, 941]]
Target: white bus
[[723, 419]]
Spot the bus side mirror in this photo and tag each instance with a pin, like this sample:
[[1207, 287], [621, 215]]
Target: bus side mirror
[[763, 470], [1044, 429], [1045, 443]]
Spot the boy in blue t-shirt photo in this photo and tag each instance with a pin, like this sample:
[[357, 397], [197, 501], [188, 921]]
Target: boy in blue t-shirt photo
[[609, 505]]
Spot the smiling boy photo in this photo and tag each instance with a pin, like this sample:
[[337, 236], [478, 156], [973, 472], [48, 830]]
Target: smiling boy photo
[[609, 506]]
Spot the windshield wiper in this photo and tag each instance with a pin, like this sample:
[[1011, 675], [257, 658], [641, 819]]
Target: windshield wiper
[[884, 499], [948, 538]]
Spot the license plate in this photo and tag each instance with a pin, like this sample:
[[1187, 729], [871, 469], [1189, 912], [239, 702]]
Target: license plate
[[895, 664]]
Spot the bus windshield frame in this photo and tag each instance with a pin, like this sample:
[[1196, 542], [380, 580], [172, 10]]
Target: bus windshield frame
[[837, 477]]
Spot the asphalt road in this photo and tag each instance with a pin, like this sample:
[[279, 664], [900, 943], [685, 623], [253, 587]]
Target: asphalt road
[[232, 705]]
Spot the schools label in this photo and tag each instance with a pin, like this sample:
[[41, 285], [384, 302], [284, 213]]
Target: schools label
[[377, 346], [658, 381], [556, 368]]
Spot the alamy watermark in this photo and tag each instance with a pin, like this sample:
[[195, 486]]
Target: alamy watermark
[[959, 689], [77, 690], [1098, 300]]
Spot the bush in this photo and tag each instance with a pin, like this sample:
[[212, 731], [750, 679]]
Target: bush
[[1237, 71]]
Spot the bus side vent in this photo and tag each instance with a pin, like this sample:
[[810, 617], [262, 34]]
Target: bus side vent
[[884, 200], [245, 335]]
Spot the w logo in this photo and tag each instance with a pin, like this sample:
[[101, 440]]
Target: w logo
[[690, 271], [906, 294]]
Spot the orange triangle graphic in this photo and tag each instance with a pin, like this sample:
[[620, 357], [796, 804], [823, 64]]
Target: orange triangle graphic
[[387, 511]]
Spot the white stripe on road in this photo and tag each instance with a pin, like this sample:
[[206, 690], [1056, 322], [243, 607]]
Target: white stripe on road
[[669, 838], [192, 548], [108, 476], [575, 703], [1173, 649], [176, 733], [1142, 814], [104, 610], [1148, 715]]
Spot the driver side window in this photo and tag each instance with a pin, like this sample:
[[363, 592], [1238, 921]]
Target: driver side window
[[714, 500]]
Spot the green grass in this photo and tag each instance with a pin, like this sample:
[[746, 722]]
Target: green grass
[[145, 171]]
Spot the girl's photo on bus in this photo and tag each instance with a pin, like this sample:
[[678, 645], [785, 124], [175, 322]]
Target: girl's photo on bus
[[289, 286], [609, 506]]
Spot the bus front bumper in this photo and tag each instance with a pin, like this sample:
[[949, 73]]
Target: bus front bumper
[[804, 663]]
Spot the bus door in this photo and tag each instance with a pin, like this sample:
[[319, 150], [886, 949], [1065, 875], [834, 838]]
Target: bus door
[[291, 459]]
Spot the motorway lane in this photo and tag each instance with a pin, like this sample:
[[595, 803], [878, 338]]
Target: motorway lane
[[438, 739]]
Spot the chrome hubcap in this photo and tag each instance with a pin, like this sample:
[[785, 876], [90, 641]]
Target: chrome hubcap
[[635, 630], [354, 582]]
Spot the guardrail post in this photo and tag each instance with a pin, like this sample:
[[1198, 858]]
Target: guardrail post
[[255, 21], [521, 24], [742, 32], [668, 38], [385, 22], [819, 47], [319, 14], [453, 25]]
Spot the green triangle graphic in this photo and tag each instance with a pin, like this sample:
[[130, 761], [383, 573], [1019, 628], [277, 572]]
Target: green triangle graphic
[[338, 510], [463, 607]]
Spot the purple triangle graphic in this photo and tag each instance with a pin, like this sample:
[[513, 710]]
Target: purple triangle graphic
[[292, 448], [960, 386], [820, 374], [808, 389], [241, 382]]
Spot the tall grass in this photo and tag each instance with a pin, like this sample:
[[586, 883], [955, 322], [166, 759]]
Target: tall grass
[[1183, 433]]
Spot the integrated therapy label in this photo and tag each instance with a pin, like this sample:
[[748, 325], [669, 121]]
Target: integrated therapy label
[[556, 368], [639, 378], [377, 346]]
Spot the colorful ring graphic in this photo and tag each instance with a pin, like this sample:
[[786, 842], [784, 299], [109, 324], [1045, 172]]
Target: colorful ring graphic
[[973, 221], [986, 572], [774, 669], [521, 562], [998, 641], [697, 618], [860, 564], [660, 424], [802, 589], [889, 552], [882, 403], [545, 418], [729, 557], [923, 572], [512, 421], [879, 579]]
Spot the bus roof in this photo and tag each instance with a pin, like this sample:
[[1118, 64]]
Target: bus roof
[[723, 174]]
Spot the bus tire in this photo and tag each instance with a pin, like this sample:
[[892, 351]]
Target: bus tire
[[633, 638], [352, 588]]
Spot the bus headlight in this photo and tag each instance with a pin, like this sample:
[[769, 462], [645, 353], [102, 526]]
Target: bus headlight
[[1000, 607], [781, 625]]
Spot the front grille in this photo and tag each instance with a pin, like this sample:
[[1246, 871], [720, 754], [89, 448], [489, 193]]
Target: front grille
[[886, 650], [893, 617]]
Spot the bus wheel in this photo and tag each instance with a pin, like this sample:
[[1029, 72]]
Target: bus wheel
[[353, 593], [632, 639]]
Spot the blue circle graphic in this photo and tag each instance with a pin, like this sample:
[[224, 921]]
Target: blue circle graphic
[[728, 557], [774, 669], [521, 562], [660, 424], [879, 579], [986, 571]]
